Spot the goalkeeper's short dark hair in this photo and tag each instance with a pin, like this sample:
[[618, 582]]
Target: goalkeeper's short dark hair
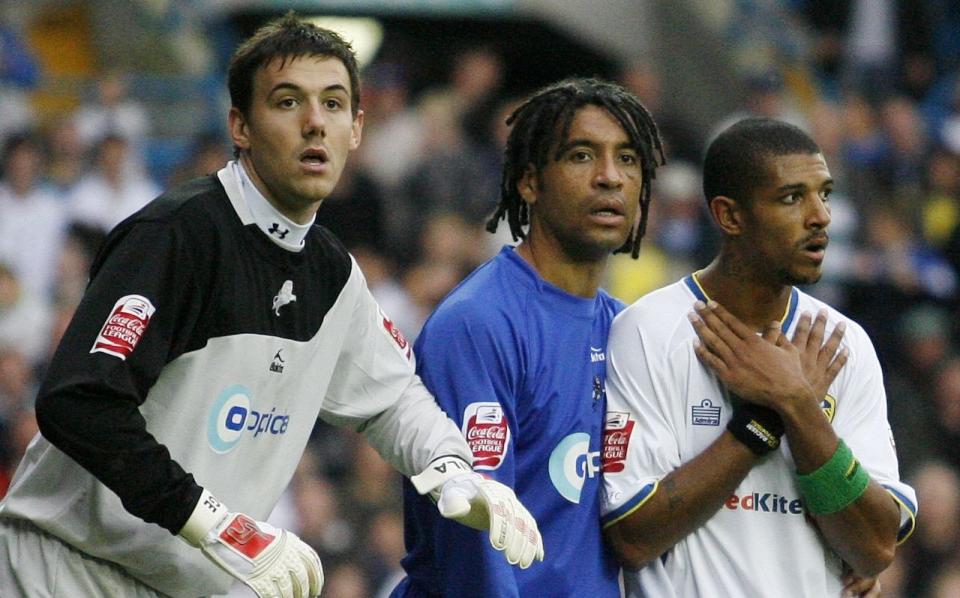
[[542, 122], [286, 38]]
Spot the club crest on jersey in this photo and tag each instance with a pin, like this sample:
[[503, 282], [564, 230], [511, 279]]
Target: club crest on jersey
[[487, 433], [616, 441], [284, 297], [394, 332], [705, 414], [125, 325], [829, 407]]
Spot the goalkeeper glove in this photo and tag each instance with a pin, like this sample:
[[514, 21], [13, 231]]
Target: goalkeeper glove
[[483, 504], [273, 562]]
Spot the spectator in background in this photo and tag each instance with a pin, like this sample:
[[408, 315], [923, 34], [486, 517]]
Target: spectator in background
[[19, 74], [937, 537], [680, 141], [876, 46], [66, 155], [111, 192], [924, 341], [31, 216], [946, 405], [24, 318], [113, 113], [207, 154]]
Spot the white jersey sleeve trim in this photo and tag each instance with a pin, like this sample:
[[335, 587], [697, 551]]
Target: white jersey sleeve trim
[[639, 499], [908, 514]]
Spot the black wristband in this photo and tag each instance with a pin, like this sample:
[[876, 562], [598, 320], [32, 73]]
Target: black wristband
[[757, 427]]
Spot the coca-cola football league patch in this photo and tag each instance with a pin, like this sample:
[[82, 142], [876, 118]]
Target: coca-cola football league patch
[[124, 326], [616, 441], [486, 430]]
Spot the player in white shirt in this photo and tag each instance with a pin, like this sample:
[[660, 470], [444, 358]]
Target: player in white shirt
[[697, 485]]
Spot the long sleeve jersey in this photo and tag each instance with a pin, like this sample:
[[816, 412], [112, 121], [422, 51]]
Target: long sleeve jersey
[[202, 354]]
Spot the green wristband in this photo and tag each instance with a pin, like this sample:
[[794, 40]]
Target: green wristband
[[836, 484]]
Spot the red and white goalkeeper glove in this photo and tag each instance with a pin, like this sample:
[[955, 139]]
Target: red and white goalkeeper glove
[[273, 562], [483, 504]]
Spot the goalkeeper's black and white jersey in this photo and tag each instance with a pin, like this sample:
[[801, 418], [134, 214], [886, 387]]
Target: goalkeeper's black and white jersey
[[212, 335]]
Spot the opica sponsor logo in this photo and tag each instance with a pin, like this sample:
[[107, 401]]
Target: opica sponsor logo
[[571, 463], [764, 502], [232, 417]]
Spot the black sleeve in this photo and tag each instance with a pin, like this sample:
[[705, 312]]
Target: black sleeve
[[111, 354]]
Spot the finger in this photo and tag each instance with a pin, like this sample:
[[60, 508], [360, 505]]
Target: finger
[[802, 332], [710, 359], [835, 366], [829, 349], [709, 338], [874, 591], [771, 333], [816, 332], [530, 543], [727, 325]]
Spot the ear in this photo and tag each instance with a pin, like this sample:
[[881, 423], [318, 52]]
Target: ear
[[728, 214], [529, 185], [239, 131], [356, 131]]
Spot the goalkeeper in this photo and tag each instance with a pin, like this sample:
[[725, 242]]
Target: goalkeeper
[[219, 322], [699, 486]]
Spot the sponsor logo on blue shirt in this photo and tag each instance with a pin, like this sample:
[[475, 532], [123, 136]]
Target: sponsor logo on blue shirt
[[571, 463]]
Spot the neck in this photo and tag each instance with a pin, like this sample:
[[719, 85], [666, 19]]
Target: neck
[[300, 216], [580, 278], [743, 292]]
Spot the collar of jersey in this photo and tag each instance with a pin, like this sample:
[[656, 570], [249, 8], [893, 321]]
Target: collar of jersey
[[559, 299], [693, 283], [262, 213]]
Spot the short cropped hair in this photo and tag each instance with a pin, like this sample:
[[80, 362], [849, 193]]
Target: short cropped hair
[[542, 122], [286, 38], [735, 163]]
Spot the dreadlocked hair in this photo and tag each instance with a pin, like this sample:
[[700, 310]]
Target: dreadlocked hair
[[542, 122]]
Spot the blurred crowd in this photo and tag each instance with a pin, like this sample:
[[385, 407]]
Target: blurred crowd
[[412, 206]]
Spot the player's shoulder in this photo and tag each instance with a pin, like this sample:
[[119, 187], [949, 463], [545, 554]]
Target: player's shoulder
[[201, 202], [662, 307], [813, 305]]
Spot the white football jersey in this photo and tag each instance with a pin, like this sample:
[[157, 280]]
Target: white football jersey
[[665, 408]]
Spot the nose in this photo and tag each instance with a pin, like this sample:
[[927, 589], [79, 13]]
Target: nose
[[608, 175], [819, 215], [313, 121]]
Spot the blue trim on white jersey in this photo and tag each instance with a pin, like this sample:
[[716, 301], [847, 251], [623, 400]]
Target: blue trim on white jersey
[[907, 528], [694, 285], [628, 507]]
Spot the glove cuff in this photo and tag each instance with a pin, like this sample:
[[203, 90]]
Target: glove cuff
[[207, 514], [438, 472]]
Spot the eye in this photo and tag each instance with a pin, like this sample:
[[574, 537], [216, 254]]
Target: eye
[[580, 155], [825, 194], [332, 104], [628, 158], [792, 198], [288, 103]]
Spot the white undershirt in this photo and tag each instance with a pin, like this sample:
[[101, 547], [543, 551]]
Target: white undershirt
[[281, 230]]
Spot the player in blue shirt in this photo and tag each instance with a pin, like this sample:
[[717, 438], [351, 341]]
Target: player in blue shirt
[[516, 354]]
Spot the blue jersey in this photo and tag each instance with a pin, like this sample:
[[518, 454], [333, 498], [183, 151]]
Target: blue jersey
[[520, 365]]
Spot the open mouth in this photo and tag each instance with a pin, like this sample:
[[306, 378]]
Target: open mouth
[[816, 246], [608, 209], [314, 157]]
